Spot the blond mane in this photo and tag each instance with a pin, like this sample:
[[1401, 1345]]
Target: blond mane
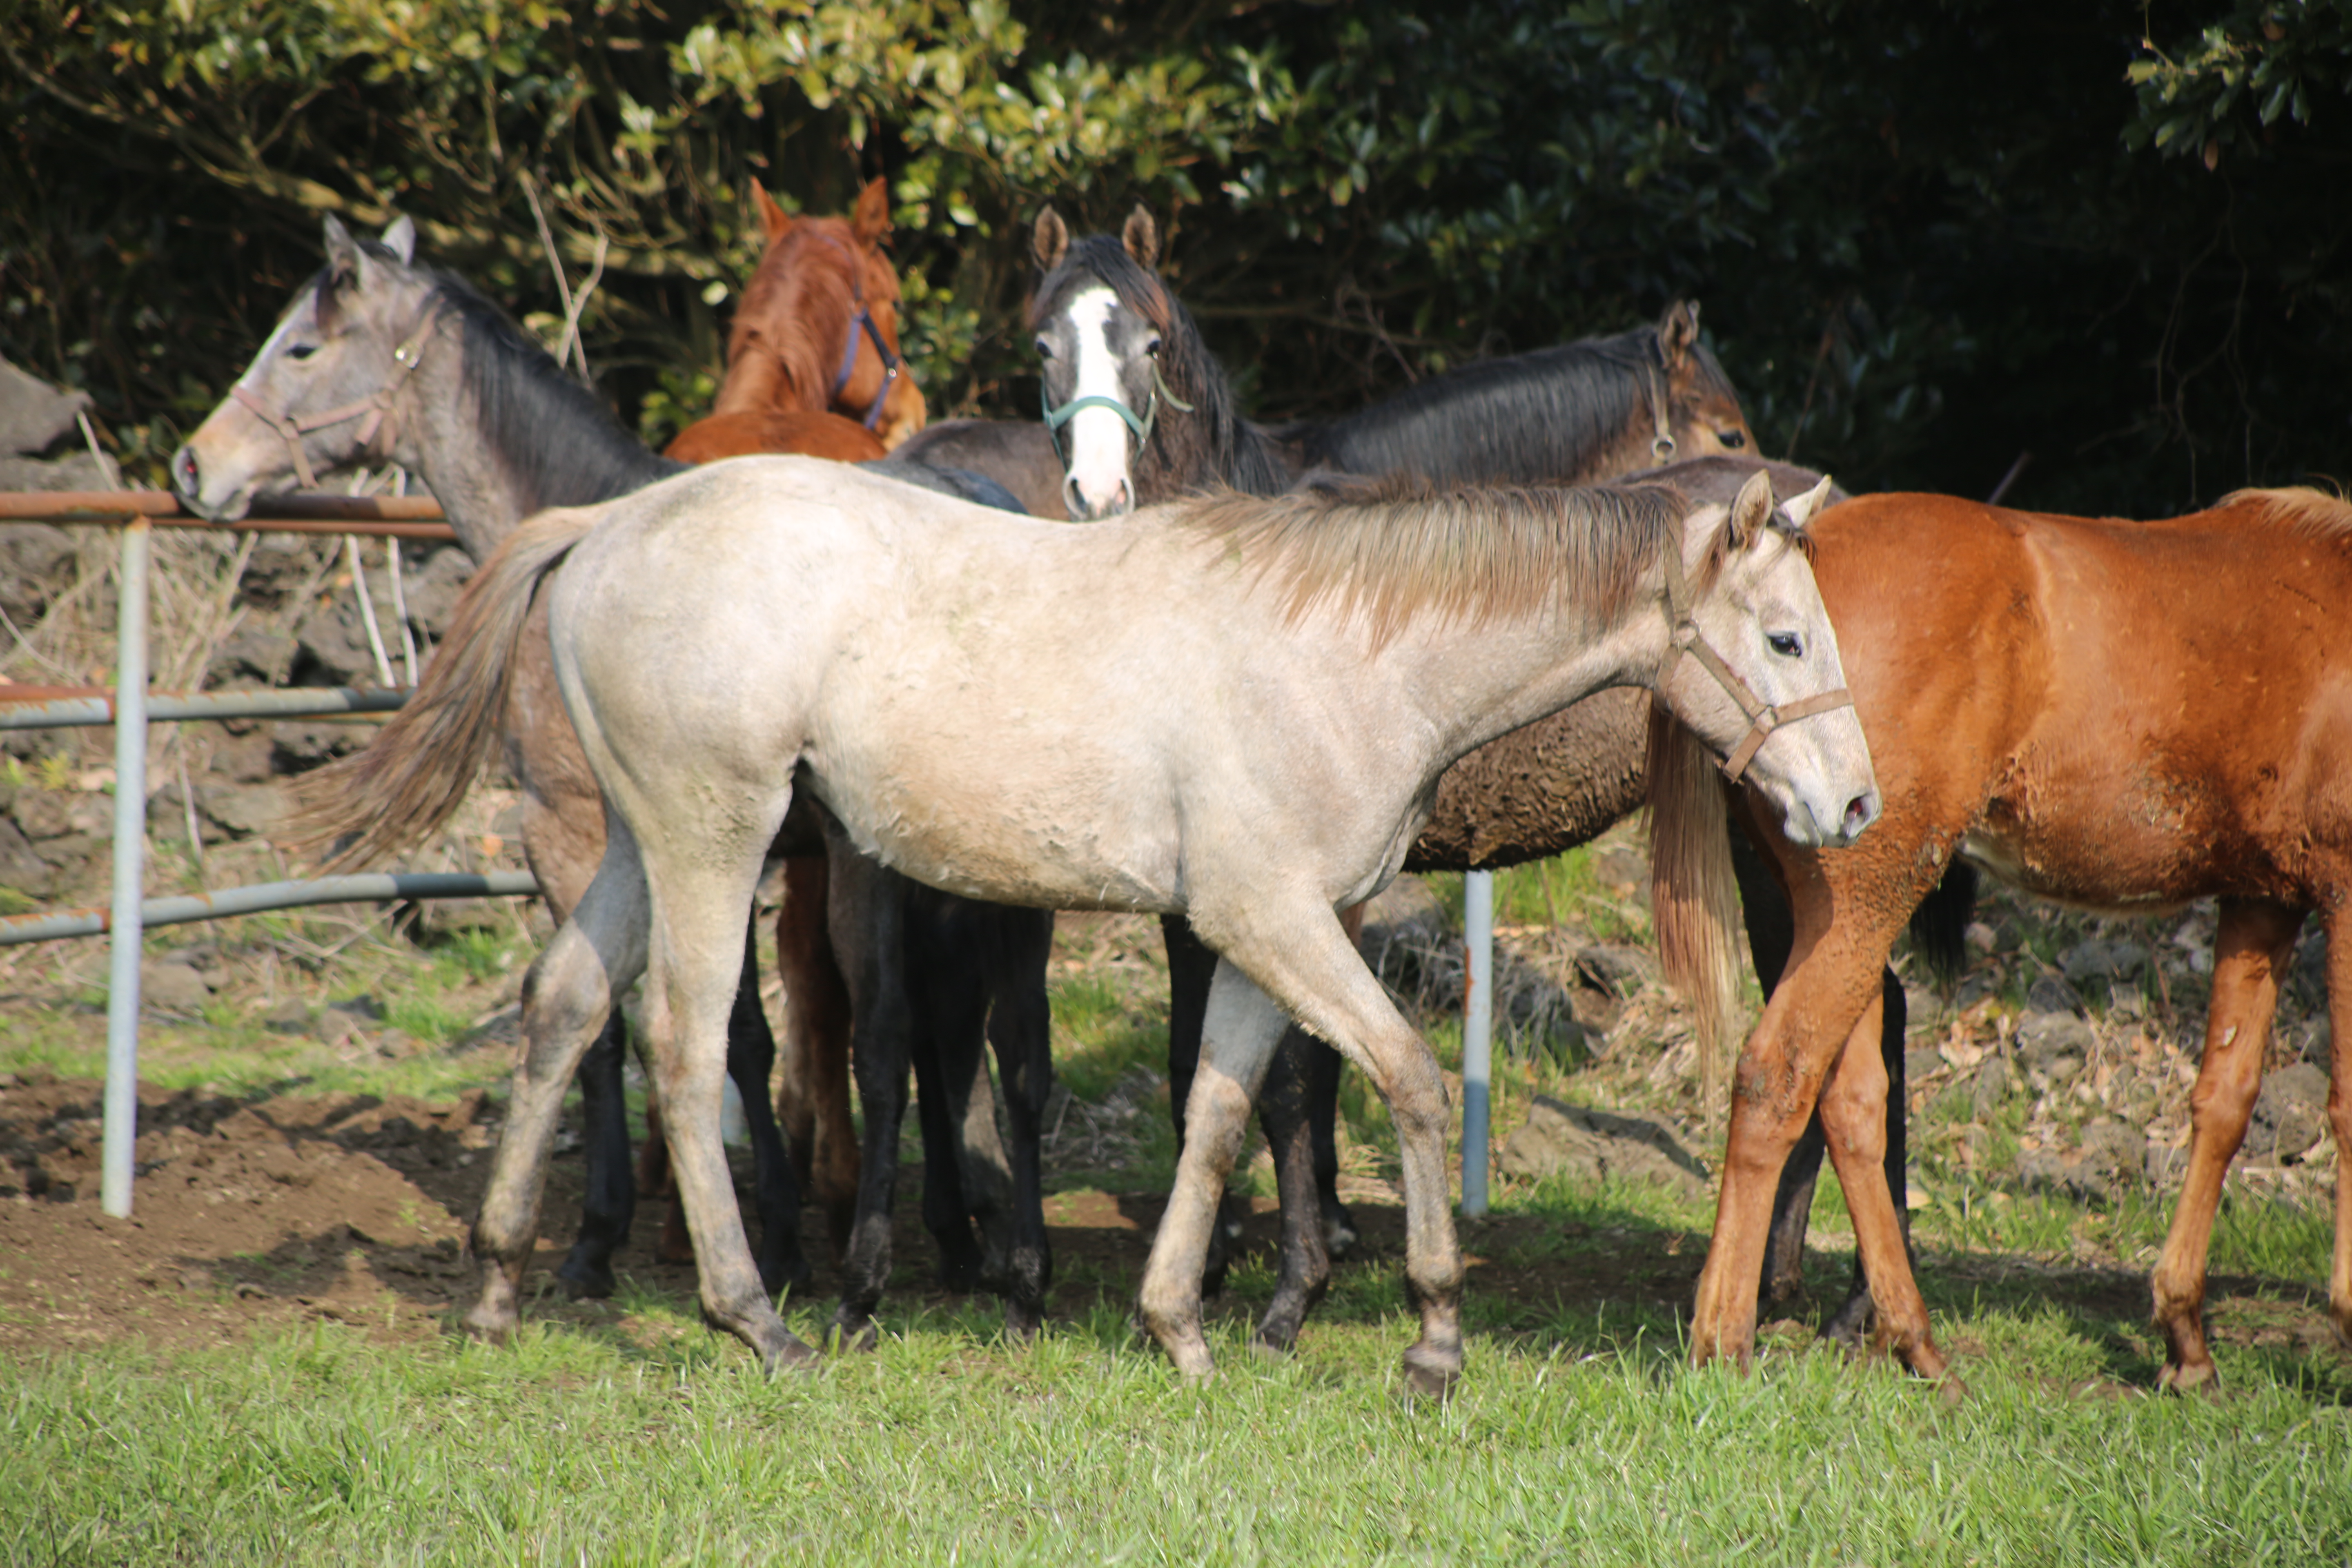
[[2298, 506], [1395, 549]]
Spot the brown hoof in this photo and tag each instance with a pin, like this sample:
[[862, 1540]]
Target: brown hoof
[[1431, 1374], [792, 1353], [2194, 1377]]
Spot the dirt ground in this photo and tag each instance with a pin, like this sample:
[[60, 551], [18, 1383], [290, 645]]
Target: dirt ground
[[293, 1209]]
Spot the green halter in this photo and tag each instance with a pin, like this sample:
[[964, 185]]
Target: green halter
[[1057, 417]]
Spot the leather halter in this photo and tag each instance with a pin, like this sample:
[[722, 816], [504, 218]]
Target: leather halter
[[1662, 444], [376, 405], [1763, 718], [862, 318], [1057, 417]]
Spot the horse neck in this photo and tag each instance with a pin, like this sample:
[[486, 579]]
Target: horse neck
[[486, 477], [1478, 681], [1211, 445], [1465, 427], [794, 358]]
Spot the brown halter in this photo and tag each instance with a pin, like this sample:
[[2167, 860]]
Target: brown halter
[[1763, 718], [376, 407]]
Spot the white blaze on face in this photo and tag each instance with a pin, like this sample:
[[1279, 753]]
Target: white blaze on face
[[1098, 436]]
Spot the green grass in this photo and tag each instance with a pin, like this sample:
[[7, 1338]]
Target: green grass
[[1578, 1437]]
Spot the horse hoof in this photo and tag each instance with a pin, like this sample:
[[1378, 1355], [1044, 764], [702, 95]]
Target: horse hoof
[[1275, 1341], [1852, 1325], [856, 1332], [2189, 1377], [1339, 1233], [792, 1353], [1430, 1374], [490, 1328], [1022, 1322], [585, 1281]]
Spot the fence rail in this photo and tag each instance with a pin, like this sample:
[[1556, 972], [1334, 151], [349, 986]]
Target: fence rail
[[138, 513]]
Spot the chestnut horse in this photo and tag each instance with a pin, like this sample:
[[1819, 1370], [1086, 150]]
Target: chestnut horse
[[2118, 715], [815, 334]]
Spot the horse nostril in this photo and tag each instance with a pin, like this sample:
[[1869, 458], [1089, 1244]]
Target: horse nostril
[[183, 471], [1861, 812]]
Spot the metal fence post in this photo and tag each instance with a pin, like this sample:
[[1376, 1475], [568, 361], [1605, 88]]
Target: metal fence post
[[1477, 1035], [129, 854]]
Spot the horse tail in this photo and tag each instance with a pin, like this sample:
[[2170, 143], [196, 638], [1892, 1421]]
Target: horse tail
[[375, 803], [1939, 926], [1694, 897]]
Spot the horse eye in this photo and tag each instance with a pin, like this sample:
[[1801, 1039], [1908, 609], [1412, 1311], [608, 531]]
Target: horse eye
[[1732, 440], [1153, 348], [301, 351], [1786, 645], [1044, 349]]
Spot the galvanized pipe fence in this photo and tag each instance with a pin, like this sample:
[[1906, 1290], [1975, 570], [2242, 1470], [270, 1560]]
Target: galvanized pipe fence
[[130, 706]]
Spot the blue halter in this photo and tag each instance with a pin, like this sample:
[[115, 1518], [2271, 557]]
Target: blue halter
[[863, 319]]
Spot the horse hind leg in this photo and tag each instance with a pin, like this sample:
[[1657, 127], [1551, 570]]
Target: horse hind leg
[[813, 1101], [609, 1204], [2250, 950], [568, 996], [703, 894], [775, 1193], [1020, 1028], [2339, 1114]]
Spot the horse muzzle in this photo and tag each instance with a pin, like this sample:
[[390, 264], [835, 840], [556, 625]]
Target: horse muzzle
[[188, 479]]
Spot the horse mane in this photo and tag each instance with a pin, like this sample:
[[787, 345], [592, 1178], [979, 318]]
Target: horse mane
[[1528, 418], [1399, 547], [810, 293], [2299, 507], [554, 439], [1211, 445]]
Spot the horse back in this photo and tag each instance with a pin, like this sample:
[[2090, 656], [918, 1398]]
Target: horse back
[[2146, 712]]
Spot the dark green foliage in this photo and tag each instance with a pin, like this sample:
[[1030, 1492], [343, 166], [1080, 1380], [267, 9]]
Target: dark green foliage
[[1926, 237]]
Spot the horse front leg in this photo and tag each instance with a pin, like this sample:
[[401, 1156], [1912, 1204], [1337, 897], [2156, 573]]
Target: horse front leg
[[1854, 1116], [1774, 1093], [1853, 1324], [1192, 964], [1286, 1108], [1240, 1026], [2250, 949], [568, 996]]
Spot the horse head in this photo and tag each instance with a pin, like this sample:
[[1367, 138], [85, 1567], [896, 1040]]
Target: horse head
[[1753, 670], [816, 327], [1105, 325], [326, 390], [1701, 414]]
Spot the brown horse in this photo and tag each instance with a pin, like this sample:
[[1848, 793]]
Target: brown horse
[[816, 331], [2118, 715]]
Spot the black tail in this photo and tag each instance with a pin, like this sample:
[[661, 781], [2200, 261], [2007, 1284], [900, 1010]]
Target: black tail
[[1939, 926]]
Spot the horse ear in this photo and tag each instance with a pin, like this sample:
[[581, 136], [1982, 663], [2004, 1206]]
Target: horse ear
[[773, 220], [1752, 512], [1141, 238], [1677, 334], [400, 237], [1049, 241], [871, 221], [1801, 510], [342, 260]]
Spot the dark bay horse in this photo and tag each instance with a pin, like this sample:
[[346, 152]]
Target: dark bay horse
[[2117, 715], [1071, 740]]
